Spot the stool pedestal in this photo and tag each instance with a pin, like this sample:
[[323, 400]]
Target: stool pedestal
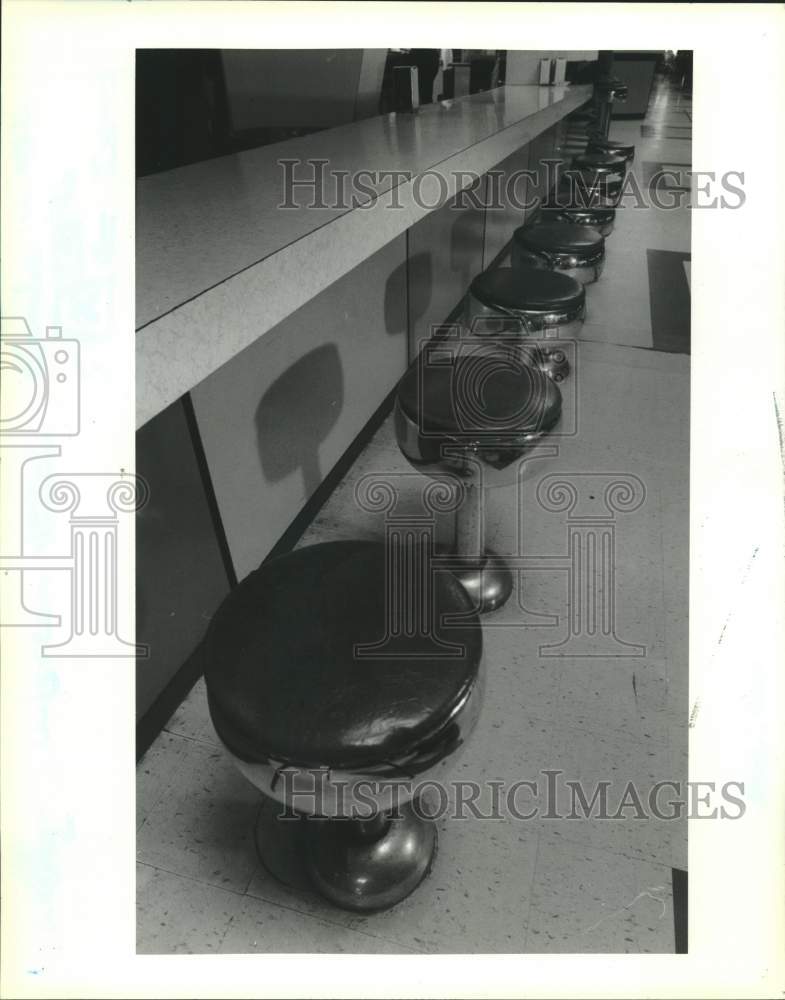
[[473, 414], [369, 865], [484, 576], [358, 864], [527, 312], [333, 726], [529, 338]]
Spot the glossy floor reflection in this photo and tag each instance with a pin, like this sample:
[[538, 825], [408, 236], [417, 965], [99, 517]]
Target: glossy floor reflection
[[508, 884]]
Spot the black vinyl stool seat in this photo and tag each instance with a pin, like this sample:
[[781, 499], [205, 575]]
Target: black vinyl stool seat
[[600, 163], [607, 90], [291, 692], [600, 218], [585, 189], [529, 301], [481, 406], [599, 144], [612, 87], [577, 250], [472, 411], [528, 291], [280, 650]]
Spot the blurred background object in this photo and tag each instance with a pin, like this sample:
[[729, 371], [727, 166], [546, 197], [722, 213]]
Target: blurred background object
[[196, 104]]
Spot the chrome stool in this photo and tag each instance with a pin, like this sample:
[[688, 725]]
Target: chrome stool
[[600, 164], [532, 303], [607, 90], [601, 219], [588, 190], [472, 411], [579, 251], [327, 704], [598, 143]]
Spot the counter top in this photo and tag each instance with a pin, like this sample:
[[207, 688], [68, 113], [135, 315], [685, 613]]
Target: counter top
[[220, 261]]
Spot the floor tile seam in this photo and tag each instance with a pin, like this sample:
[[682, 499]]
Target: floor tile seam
[[188, 878], [158, 743], [319, 918], [195, 739], [614, 343]]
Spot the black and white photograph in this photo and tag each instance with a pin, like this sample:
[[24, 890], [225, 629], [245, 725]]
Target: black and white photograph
[[394, 503], [419, 491]]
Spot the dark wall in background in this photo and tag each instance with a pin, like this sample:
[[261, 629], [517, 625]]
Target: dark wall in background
[[195, 104], [181, 111], [637, 70]]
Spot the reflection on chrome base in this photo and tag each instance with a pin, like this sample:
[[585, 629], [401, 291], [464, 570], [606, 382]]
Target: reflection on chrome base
[[488, 583], [551, 360], [369, 865]]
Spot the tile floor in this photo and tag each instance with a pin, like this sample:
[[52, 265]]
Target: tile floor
[[540, 885]]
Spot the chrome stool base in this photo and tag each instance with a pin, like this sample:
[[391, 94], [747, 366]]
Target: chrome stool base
[[488, 583], [329, 744], [575, 250], [587, 274], [527, 314], [549, 357], [369, 865], [553, 362], [438, 432]]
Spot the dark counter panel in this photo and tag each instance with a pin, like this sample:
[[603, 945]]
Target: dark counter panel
[[636, 69], [181, 575]]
